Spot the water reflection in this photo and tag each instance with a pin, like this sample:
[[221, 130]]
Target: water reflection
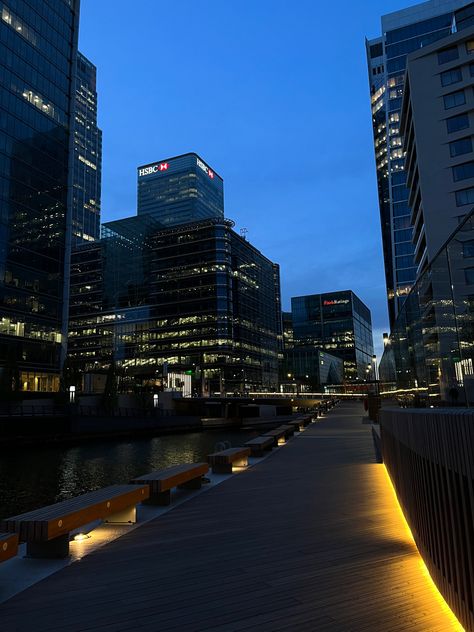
[[34, 477]]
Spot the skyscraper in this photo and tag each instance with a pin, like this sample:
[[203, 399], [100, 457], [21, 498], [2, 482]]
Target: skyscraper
[[38, 47], [179, 190], [87, 156], [437, 125], [196, 297], [402, 32], [339, 323]]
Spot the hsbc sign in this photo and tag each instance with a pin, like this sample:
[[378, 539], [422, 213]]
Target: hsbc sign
[[205, 168], [146, 171]]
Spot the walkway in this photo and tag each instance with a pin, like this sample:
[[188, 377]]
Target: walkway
[[309, 539]]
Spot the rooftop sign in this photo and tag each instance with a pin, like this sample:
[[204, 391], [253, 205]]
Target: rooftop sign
[[205, 168], [159, 166], [340, 301]]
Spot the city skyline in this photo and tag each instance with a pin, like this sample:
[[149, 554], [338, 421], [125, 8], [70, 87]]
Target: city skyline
[[231, 105]]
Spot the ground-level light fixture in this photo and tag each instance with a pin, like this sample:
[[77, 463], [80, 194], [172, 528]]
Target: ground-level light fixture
[[80, 537]]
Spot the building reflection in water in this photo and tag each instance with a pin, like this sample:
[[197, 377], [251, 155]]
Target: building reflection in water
[[31, 478]]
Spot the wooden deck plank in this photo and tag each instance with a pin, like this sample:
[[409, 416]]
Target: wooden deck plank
[[308, 539]]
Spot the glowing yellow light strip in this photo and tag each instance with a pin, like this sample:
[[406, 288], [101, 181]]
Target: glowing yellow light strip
[[456, 626]]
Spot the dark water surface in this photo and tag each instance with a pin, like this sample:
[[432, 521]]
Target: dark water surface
[[34, 477]]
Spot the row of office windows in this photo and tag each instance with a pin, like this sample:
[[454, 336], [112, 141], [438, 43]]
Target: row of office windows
[[449, 77], [452, 53]]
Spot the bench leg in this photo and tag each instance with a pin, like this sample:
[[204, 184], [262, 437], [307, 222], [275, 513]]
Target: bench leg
[[243, 462], [53, 549], [128, 516], [163, 499], [194, 483], [222, 468]]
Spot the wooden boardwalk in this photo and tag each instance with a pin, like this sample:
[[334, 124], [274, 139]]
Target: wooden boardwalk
[[309, 539]]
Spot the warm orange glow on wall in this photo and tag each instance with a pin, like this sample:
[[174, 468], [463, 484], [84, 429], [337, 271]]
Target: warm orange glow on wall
[[433, 595]]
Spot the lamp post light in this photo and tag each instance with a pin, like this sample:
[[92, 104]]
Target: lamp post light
[[72, 394]]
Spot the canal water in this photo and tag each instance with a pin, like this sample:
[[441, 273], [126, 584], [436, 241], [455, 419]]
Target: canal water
[[35, 477]]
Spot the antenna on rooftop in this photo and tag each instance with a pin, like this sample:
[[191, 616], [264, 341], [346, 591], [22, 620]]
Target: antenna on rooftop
[[243, 233]]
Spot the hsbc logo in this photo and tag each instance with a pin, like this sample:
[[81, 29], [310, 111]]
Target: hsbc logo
[[146, 171], [205, 168]]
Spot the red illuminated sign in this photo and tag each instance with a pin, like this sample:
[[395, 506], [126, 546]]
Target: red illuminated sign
[[146, 171], [336, 302], [210, 174]]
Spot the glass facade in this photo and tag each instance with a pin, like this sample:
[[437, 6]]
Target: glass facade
[[87, 156], [386, 58], [339, 323], [196, 297], [38, 47], [310, 368], [180, 190], [430, 353]]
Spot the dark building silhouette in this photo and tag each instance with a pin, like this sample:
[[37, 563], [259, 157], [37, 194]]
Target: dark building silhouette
[[37, 60], [87, 156]]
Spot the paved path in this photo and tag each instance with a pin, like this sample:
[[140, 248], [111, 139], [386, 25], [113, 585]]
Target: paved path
[[309, 539]]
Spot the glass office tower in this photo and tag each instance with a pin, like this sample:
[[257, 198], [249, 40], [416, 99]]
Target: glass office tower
[[402, 32], [180, 190], [339, 323], [38, 47], [87, 156], [197, 297]]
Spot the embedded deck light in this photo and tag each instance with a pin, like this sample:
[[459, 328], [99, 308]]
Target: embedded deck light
[[80, 537]]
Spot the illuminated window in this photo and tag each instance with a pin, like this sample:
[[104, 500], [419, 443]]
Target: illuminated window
[[18, 26]]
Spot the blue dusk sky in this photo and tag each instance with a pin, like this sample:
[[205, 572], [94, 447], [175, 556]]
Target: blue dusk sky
[[274, 96]]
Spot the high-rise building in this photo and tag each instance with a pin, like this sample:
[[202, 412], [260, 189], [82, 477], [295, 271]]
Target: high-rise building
[[38, 47], [196, 297], [87, 156], [158, 291], [180, 190], [437, 125], [402, 33], [336, 322]]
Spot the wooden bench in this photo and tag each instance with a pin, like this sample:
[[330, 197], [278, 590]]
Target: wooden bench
[[279, 435], [223, 462], [8, 546], [297, 424], [289, 430], [185, 476], [306, 420], [259, 445], [46, 530]]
